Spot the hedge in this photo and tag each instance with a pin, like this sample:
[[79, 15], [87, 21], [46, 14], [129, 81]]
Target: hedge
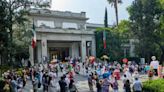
[[154, 86]]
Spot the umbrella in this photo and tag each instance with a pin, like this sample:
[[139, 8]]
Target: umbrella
[[54, 61], [106, 75], [125, 60], [91, 58], [104, 57]]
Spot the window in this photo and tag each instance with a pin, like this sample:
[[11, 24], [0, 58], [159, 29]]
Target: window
[[45, 23], [67, 25]]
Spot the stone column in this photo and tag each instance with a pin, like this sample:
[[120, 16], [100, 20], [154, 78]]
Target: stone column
[[83, 49], [31, 58], [75, 50], [93, 47], [44, 48], [39, 53]]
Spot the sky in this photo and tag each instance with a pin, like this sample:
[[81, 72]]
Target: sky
[[95, 9]]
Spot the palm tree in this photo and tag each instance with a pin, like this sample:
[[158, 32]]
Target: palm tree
[[115, 3]]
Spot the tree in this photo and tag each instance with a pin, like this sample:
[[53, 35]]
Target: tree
[[115, 4], [147, 19], [15, 14], [113, 44]]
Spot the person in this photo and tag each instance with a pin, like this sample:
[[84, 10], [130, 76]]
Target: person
[[124, 79], [135, 75], [72, 87], [67, 80], [154, 63], [20, 83], [53, 87], [14, 84], [99, 85], [105, 85], [137, 85], [35, 83], [115, 85], [61, 66], [116, 73], [29, 64], [45, 79], [62, 84], [90, 83], [128, 75], [6, 88], [127, 86], [150, 74]]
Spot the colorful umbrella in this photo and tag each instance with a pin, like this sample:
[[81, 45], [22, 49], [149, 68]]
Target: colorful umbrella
[[125, 60], [91, 58], [104, 57], [54, 61]]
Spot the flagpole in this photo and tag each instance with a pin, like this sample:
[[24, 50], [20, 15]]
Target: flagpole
[[104, 31]]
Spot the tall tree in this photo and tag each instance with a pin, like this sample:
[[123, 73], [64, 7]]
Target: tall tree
[[147, 24], [115, 4], [15, 15]]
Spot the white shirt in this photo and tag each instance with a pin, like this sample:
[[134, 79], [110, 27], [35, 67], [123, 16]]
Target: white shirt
[[155, 64]]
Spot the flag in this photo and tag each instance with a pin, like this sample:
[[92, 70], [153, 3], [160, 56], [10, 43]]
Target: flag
[[105, 25], [104, 39], [34, 36]]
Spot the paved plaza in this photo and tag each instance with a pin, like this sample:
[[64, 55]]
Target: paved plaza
[[81, 83]]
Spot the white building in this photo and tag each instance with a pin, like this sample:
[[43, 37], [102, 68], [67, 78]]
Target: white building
[[61, 34]]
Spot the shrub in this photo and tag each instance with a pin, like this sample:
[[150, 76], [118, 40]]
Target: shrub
[[154, 86]]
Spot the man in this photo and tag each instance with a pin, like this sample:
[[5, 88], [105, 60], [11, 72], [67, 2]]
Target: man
[[62, 84], [90, 83], [45, 79], [35, 83], [14, 84], [137, 85]]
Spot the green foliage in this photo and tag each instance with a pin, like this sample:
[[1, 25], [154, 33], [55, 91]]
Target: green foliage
[[146, 19], [116, 37], [113, 42], [154, 86], [14, 28]]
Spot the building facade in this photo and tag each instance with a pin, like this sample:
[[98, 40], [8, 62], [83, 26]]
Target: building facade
[[60, 35]]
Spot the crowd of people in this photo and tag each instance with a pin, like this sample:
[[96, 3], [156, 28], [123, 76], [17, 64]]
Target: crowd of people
[[100, 75]]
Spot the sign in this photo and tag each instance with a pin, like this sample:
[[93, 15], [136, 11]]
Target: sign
[[142, 61]]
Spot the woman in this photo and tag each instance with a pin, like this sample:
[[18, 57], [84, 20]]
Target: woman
[[127, 86], [105, 85], [72, 87]]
